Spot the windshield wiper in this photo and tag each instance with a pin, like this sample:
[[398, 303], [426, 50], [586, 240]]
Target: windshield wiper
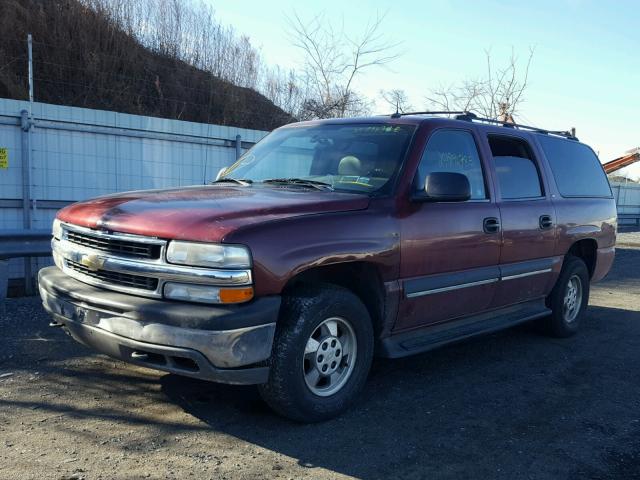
[[302, 182], [240, 181]]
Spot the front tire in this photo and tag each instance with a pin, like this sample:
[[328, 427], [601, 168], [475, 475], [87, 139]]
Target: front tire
[[322, 353], [568, 300]]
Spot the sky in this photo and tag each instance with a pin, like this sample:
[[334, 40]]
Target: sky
[[585, 71]]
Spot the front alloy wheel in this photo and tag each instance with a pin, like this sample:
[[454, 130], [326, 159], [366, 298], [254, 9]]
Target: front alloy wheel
[[322, 353], [329, 356]]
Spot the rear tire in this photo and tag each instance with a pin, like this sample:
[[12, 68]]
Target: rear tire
[[322, 354], [568, 300]]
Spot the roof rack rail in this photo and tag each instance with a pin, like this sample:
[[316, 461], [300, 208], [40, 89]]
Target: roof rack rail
[[443, 112], [520, 126], [472, 117]]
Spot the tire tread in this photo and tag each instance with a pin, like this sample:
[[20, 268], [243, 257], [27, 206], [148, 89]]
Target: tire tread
[[282, 392]]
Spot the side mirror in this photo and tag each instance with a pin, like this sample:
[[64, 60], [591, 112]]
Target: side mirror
[[220, 173], [445, 187]]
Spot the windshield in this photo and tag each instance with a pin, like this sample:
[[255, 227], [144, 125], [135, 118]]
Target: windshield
[[354, 157]]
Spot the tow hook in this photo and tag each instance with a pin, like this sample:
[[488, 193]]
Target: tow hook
[[55, 324]]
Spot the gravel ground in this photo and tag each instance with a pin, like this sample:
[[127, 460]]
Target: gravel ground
[[505, 406], [629, 237]]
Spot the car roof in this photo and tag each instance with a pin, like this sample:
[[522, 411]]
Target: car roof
[[439, 121]]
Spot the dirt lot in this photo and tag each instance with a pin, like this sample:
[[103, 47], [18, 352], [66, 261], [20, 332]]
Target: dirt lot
[[511, 405]]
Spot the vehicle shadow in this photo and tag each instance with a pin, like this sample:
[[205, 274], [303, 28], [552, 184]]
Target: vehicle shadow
[[501, 406]]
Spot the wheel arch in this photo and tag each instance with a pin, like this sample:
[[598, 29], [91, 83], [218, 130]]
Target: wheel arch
[[363, 279], [587, 250]]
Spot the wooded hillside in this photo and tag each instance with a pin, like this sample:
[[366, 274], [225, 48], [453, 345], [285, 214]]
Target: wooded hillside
[[90, 54]]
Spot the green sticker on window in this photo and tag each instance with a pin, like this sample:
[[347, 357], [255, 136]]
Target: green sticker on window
[[4, 158]]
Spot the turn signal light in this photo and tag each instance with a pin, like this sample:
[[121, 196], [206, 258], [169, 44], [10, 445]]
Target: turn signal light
[[189, 292], [236, 295]]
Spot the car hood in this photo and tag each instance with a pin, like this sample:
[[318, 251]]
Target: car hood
[[204, 213]]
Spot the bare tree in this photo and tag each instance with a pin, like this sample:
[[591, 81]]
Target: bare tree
[[174, 58], [164, 58], [497, 95], [284, 89], [397, 99], [333, 60]]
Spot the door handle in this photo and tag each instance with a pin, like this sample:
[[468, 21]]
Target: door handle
[[491, 225], [545, 222]]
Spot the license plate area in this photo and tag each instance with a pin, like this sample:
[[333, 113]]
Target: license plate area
[[72, 312]]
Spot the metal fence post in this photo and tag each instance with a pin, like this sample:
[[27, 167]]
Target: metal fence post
[[30, 52], [26, 191], [238, 146]]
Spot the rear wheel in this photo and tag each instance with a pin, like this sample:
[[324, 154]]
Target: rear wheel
[[321, 355], [568, 299]]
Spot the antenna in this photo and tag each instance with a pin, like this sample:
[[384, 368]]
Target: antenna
[[397, 114]]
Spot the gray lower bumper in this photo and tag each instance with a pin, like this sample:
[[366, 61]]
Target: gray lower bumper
[[217, 355]]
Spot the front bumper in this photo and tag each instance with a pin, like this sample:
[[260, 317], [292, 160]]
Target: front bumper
[[218, 343]]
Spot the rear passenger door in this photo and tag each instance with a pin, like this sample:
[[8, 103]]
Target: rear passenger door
[[528, 221]]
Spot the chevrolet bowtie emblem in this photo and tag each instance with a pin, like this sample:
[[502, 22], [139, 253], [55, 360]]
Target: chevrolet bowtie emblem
[[92, 262]]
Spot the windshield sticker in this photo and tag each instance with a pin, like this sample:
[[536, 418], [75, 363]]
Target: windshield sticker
[[378, 129], [356, 180]]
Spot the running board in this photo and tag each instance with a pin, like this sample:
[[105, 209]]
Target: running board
[[428, 338]]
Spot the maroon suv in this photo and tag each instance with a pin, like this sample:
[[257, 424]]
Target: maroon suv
[[331, 241]]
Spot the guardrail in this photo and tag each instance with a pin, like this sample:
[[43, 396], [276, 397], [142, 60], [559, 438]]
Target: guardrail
[[21, 243], [634, 217]]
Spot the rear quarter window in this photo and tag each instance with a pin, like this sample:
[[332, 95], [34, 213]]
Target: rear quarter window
[[576, 168]]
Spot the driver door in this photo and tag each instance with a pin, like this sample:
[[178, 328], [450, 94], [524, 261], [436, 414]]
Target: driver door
[[449, 250]]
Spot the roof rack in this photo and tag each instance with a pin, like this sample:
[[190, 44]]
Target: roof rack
[[443, 112], [472, 117]]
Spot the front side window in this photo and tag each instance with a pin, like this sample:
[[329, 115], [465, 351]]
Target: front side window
[[516, 169], [453, 151], [349, 157]]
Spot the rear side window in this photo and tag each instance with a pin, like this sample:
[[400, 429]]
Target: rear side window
[[576, 168], [516, 169], [453, 151]]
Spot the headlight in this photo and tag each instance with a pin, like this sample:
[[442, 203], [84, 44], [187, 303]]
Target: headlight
[[56, 229], [208, 255], [206, 293]]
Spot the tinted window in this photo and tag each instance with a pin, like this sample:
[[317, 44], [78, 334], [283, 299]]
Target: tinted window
[[453, 151], [518, 177], [575, 167], [515, 167]]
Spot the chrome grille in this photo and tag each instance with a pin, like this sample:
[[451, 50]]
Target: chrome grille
[[130, 263], [117, 278], [124, 247]]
